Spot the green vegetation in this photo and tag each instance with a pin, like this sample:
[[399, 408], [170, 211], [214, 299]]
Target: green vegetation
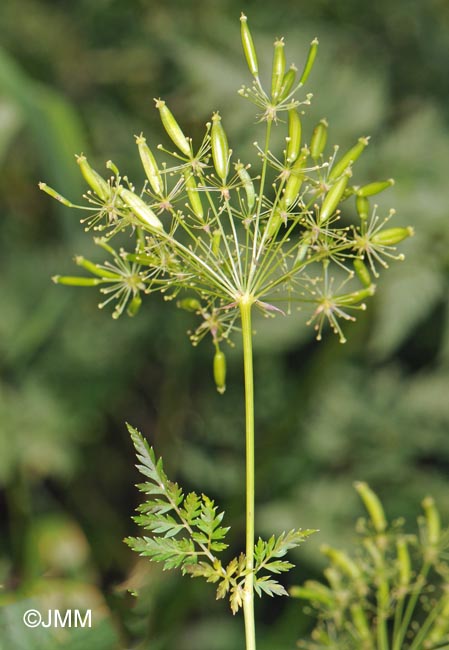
[[375, 409], [391, 592]]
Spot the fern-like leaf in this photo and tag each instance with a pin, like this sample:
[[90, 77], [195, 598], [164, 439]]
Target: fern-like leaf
[[173, 553], [186, 530], [269, 586], [266, 554], [264, 551]]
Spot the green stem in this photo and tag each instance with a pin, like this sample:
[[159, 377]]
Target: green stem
[[248, 596]]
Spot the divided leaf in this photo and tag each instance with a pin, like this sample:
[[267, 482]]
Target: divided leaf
[[186, 532], [265, 557], [269, 587], [184, 528], [173, 553], [276, 548]]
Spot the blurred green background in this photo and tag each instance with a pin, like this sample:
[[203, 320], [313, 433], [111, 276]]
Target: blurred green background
[[80, 76]]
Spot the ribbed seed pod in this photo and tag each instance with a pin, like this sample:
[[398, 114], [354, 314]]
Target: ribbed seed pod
[[356, 297], [309, 61], [220, 370], [333, 198], [172, 127], [189, 304], [278, 71], [220, 148], [295, 179], [319, 139], [73, 281], [93, 178], [287, 82], [134, 305], [433, 522], [375, 188], [404, 563], [372, 503], [216, 240], [274, 223], [149, 164], [101, 272], [248, 185], [362, 272], [248, 46], [392, 236], [342, 561], [362, 205], [141, 210], [314, 592], [349, 157], [302, 253], [294, 135], [360, 621], [193, 195], [55, 195]]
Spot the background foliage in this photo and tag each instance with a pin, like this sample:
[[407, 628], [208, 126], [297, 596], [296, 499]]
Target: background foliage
[[80, 77]]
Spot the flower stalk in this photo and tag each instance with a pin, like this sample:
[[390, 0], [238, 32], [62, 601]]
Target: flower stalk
[[246, 303]]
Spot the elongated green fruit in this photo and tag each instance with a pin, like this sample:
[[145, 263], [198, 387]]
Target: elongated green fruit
[[149, 164], [134, 305], [274, 223], [74, 281], [295, 179], [93, 178], [362, 205], [193, 195], [433, 523], [142, 211], [360, 622], [248, 46], [404, 563], [370, 500], [356, 297], [392, 236], [375, 188], [216, 240], [309, 61], [294, 135], [278, 71], [172, 127], [342, 561], [287, 82], [55, 195], [302, 252], [220, 148], [319, 139], [189, 304], [96, 270], [220, 370], [362, 272], [333, 198], [248, 185], [314, 592], [348, 158]]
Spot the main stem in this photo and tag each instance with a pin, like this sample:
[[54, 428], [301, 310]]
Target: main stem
[[248, 596]]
